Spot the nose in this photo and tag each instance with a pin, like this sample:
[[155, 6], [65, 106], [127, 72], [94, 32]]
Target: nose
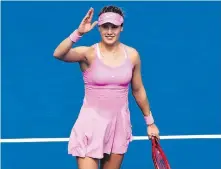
[[109, 30]]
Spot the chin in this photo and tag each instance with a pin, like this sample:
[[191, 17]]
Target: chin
[[110, 42]]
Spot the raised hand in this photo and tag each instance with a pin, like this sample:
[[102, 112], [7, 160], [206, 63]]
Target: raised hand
[[85, 25]]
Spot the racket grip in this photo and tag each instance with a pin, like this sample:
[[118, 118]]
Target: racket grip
[[149, 119], [75, 36]]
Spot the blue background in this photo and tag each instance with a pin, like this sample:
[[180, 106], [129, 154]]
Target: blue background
[[179, 44]]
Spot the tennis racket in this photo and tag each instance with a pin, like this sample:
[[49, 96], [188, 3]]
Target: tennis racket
[[158, 156]]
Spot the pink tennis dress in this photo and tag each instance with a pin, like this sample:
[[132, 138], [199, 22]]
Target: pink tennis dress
[[103, 124]]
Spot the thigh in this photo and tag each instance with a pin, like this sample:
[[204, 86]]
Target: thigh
[[112, 161], [87, 163]]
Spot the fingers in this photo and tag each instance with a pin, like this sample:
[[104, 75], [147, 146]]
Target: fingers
[[158, 137], [151, 136], [94, 24], [89, 15]]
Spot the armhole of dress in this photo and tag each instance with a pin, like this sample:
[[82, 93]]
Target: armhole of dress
[[98, 55], [127, 56], [125, 52]]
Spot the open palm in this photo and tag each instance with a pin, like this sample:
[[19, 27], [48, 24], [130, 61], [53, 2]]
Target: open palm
[[85, 25]]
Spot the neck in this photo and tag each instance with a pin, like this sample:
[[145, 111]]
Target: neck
[[109, 48]]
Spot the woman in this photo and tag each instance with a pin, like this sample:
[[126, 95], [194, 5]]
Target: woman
[[103, 128]]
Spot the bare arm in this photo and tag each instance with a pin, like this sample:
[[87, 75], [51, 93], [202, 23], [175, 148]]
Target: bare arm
[[139, 94], [138, 89], [65, 52]]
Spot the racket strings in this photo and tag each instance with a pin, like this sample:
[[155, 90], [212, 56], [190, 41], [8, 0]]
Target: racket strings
[[159, 158], [160, 161]]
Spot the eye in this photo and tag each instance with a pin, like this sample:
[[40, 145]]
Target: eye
[[109, 25], [105, 26], [114, 26]]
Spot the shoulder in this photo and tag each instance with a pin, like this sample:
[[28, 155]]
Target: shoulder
[[133, 54], [90, 52], [85, 49]]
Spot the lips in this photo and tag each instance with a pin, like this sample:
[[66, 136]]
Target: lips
[[109, 37]]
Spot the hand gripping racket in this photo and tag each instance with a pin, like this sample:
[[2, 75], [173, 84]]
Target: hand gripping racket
[[158, 156]]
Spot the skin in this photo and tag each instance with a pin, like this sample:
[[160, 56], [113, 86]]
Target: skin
[[110, 47]]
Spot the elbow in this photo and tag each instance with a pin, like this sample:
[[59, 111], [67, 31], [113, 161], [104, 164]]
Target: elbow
[[137, 90], [136, 93], [139, 93], [57, 54], [139, 97]]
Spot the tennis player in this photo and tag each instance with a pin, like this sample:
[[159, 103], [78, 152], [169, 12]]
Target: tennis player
[[102, 131]]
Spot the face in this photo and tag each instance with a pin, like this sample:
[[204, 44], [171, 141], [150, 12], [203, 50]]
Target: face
[[110, 33]]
